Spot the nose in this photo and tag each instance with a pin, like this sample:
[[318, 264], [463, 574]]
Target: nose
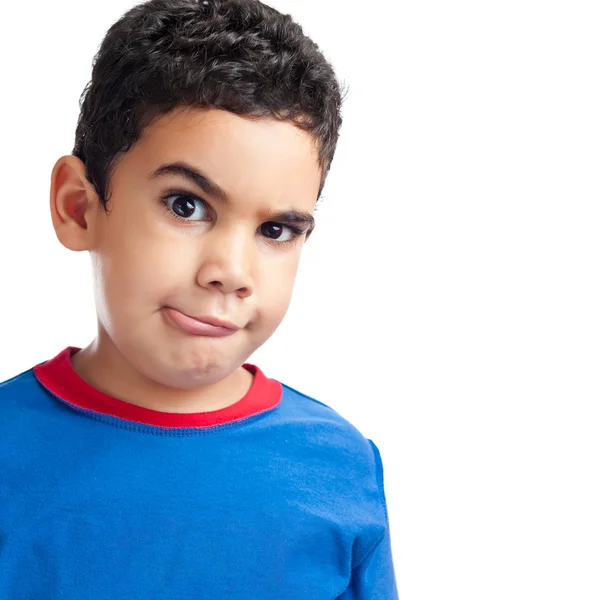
[[227, 257]]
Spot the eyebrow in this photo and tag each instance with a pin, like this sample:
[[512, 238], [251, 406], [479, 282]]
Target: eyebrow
[[209, 187]]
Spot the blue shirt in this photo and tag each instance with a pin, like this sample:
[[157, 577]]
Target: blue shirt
[[276, 496]]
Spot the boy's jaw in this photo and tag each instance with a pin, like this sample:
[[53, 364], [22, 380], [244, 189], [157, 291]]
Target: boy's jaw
[[146, 262]]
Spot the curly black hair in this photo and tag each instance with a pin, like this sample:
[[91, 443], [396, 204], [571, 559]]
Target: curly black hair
[[238, 55]]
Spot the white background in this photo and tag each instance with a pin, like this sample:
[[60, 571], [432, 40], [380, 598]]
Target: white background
[[448, 302]]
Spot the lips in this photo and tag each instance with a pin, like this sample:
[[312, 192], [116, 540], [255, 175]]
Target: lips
[[204, 325], [214, 321]]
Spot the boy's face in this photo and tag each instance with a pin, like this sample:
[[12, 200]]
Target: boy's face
[[224, 257]]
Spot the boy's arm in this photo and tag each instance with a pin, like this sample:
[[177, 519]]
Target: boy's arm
[[374, 578]]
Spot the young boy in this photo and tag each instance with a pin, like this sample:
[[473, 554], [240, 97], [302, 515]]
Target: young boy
[[156, 463]]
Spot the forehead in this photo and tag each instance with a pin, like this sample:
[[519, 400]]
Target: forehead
[[242, 155]]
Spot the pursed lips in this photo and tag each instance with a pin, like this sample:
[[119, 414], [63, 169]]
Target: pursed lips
[[202, 325]]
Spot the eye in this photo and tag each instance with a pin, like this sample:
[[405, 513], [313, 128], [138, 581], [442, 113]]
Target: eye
[[274, 231], [185, 207]]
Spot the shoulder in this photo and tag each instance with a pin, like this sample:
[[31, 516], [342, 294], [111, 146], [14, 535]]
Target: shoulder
[[18, 396], [328, 429], [18, 384], [301, 405], [343, 463]]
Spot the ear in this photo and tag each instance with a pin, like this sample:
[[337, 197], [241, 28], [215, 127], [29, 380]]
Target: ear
[[74, 204]]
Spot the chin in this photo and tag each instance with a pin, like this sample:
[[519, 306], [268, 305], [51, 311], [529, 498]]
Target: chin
[[190, 367]]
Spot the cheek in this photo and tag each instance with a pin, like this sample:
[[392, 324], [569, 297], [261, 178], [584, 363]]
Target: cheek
[[131, 274], [275, 292]]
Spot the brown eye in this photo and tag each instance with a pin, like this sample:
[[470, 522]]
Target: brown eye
[[186, 207], [271, 230], [274, 231]]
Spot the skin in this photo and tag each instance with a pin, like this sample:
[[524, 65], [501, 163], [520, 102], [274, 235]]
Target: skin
[[224, 262]]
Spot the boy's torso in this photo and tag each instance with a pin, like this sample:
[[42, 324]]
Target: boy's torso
[[278, 505]]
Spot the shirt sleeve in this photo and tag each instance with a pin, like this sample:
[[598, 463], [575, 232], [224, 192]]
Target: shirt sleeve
[[373, 578]]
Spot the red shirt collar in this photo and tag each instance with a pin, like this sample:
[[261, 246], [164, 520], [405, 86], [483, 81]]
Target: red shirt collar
[[58, 377]]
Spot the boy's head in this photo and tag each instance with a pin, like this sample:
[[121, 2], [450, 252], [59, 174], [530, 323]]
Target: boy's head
[[203, 143]]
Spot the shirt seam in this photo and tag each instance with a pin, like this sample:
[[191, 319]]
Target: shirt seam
[[156, 429], [382, 502], [371, 550]]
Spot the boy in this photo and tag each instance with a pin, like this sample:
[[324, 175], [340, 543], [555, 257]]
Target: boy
[[157, 463]]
